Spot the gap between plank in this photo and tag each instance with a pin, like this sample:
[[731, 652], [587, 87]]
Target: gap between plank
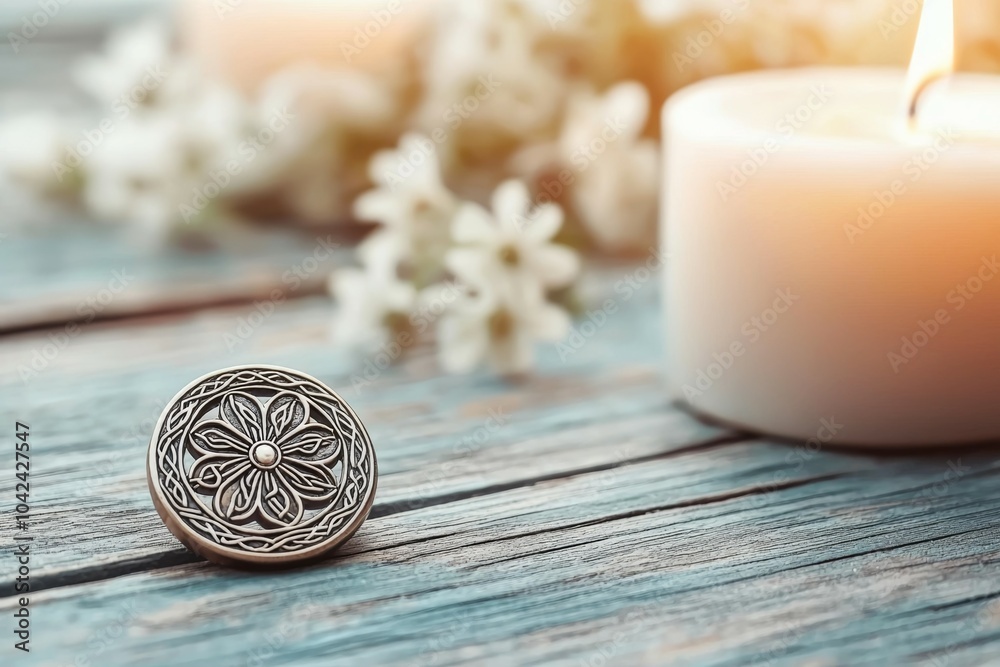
[[162, 308], [182, 556]]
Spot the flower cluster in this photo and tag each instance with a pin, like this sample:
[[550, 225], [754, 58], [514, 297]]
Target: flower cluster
[[164, 131], [486, 276], [524, 88], [543, 107]]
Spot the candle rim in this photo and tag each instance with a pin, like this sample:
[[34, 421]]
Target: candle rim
[[693, 106]]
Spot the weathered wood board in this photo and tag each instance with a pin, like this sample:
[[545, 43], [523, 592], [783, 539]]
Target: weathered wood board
[[598, 524], [96, 273], [589, 523]]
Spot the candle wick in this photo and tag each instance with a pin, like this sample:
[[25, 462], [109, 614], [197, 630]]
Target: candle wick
[[919, 93]]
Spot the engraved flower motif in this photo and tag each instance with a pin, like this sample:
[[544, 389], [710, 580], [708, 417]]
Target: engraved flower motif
[[267, 464]]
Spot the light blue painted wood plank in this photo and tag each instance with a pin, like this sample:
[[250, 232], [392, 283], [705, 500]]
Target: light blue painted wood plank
[[531, 575], [586, 530], [94, 407], [87, 273]]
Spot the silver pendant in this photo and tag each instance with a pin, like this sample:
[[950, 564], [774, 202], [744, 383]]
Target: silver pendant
[[261, 465]]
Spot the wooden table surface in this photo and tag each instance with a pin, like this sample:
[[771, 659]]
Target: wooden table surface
[[575, 518]]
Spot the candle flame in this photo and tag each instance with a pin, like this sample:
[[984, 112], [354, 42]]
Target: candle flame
[[933, 53]]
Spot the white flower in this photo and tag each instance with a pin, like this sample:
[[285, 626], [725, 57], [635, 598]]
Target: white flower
[[483, 70], [412, 203], [617, 196], [170, 165], [508, 262], [320, 95], [615, 171], [499, 327], [339, 116], [373, 301], [33, 144], [31, 178], [136, 62], [214, 124], [513, 243], [135, 174]]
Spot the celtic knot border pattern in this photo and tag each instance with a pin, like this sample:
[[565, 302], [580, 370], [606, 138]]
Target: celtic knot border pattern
[[339, 516]]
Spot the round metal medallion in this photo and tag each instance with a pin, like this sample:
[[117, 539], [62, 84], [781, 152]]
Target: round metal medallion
[[260, 465]]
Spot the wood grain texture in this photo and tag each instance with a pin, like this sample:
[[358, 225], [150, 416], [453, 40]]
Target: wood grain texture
[[598, 525], [436, 435], [688, 567], [94, 273]]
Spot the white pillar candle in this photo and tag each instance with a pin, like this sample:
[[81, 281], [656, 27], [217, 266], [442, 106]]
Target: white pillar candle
[[835, 274]]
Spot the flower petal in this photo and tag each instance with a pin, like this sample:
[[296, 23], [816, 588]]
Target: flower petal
[[383, 249], [245, 413], [472, 266], [543, 223], [510, 204], [214, 436], [230, 493], [554, 265], [419, 152], [463, 341], [280, 504], [513, 354], [378, 205], [312, 482], [311, 440], [550, 323], [628, 104], [286, 412], [382, 167], [473, 224], [208, 472]]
